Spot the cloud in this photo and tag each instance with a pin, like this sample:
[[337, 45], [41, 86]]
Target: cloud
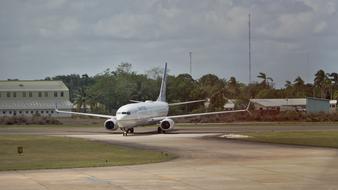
[[57, 27], [125, 26], [57, 36]]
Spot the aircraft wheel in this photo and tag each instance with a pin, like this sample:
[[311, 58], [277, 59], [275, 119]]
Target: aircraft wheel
[[131, 130], [159, 130]]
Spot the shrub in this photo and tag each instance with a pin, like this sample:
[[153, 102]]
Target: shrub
[[21, 120]]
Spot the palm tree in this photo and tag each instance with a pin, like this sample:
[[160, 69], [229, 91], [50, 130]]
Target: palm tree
[[299, 85], [233, 88], [287, 84], [299, 82], [265, 79], [334, 79], [320, 82]]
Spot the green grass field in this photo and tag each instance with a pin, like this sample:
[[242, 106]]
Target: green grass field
[[307, 138], [44, 152]]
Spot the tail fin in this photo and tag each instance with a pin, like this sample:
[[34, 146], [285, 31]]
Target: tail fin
[[162, 95]]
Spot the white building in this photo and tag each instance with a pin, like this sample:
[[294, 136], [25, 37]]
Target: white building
[[333, 106], [33, 97], [291, 104], [286, 104]]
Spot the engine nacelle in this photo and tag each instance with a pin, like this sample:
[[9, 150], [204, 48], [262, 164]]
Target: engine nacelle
[[167, 124], [111, 124]]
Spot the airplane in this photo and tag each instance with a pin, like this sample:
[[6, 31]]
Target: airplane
[[145, 113]]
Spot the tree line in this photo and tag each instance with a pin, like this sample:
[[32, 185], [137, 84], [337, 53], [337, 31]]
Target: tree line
[[109, 90]]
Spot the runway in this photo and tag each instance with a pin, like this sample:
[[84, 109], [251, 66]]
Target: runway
[[205, 162]]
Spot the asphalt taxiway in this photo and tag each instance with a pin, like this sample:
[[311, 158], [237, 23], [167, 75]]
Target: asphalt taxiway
[[205, 162]]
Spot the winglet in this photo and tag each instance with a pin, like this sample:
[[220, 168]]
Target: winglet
[[56, 107], [248, 107]]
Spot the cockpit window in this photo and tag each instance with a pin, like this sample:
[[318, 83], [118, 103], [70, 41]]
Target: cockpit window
[[124, 113]]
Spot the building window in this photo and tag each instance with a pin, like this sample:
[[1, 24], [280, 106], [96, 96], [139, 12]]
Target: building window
[[26, 112], [51, 111], [8, 94], [10, 112], [3, 112], [61, 94], [14, 94], [55, 94], [32, 112], [46, 94], [20, 112], [41, 111], [40, 94], [24, 94], [47, 112], [30, 94]]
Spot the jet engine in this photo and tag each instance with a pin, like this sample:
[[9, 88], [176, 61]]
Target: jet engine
[[167, 124], [111, 124]]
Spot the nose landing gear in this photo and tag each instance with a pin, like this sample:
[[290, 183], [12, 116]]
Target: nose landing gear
[[128, 131]]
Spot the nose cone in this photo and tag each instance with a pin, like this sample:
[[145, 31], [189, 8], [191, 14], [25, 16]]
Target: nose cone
[[119, 115], [124, 117]]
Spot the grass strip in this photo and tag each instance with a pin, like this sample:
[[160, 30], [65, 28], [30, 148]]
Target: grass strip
[[45, 152], [306, 138]]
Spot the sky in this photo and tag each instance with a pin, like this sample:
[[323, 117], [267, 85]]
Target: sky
[[290, 38]]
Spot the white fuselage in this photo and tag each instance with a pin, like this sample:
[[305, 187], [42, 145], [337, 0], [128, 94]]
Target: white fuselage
[[140, 114]]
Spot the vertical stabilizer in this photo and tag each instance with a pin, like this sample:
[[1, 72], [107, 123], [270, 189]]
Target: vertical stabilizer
[[162, 95]]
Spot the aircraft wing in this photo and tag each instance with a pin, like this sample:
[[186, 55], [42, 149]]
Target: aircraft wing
[[86, 114], [198, 114], [201, 114]]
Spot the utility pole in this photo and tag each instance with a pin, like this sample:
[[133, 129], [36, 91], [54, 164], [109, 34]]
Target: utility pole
[[190, 54], [249, 48]]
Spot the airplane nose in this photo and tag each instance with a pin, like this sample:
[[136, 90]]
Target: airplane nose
[[120, 117]]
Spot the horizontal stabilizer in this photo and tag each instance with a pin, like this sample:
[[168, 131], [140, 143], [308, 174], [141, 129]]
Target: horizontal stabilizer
[[135, 101], [189, 102]]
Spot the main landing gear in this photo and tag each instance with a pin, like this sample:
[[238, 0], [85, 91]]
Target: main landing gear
[[128, 131], [159, 130]]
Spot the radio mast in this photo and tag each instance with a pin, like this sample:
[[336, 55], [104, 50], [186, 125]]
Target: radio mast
[[249, 48]]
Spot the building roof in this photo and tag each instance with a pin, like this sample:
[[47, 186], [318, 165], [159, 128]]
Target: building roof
[[280, 102], [32, 85], [34, 104]]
